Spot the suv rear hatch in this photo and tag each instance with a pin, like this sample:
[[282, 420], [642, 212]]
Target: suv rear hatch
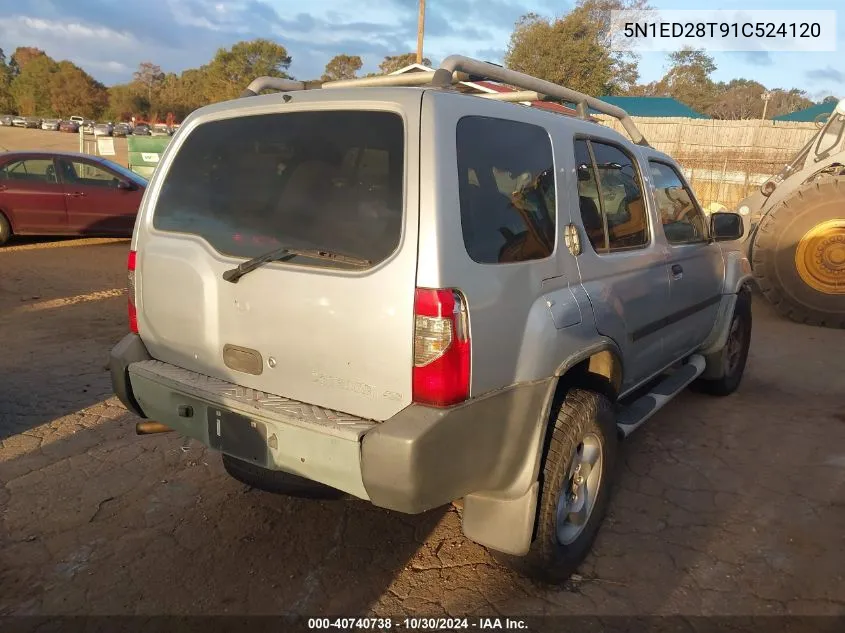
[[325, 332]]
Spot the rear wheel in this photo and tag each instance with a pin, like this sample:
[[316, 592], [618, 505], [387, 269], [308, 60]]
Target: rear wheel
[[278, 482], [575, 487], [799, 254], [5, 229]]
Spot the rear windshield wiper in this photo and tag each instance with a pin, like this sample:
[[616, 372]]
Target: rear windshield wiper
[[234, 274]]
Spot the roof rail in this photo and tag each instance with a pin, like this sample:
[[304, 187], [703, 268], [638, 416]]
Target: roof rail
[[457, 69], [418, 78], [474, 67], [277, 83]]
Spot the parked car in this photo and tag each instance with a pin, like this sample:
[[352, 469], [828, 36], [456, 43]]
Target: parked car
[[122, 129], [103, 129], [19, 121], [78, 119], [64, 193], [6, 119], [141, 129], [33, 122], [161, 129], [69, 126], [50, 124], [493, 295]]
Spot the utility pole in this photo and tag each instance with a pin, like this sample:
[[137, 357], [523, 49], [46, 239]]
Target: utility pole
[[765, 97], [420, 32]]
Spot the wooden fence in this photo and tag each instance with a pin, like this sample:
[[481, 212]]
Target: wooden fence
[[724, 160]]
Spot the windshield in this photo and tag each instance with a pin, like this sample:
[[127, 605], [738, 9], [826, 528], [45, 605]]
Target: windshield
[[328, 180], [123, 171]]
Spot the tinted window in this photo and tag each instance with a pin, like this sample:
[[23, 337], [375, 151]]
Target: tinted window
[[507, 190], [588, 196], [611, 197], [31, 170], [683, 222], [621, 197], [328, 180], [78, 172]]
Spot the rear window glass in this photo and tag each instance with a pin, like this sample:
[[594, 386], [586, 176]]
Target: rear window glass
[[330, 180], [507, 190]]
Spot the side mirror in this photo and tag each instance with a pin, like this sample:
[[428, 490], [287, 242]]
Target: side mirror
[[126, 185], [726, 226]]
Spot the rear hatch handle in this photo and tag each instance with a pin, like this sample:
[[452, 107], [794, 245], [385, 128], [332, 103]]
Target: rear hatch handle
[[234, 274]]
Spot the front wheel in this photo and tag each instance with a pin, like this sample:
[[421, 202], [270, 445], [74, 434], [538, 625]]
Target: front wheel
[[576, 479], [734, 356], [799, 254]]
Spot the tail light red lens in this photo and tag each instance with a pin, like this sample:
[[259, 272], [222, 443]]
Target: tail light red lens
[[442, 348], [133, 312]]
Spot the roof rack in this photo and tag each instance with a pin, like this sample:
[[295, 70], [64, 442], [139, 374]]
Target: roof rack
[[457, 69]]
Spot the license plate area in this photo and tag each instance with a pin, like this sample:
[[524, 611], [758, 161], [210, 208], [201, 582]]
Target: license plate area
[[237, 435]]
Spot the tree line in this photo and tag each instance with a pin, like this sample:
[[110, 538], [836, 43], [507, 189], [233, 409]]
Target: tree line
[[573, 49]]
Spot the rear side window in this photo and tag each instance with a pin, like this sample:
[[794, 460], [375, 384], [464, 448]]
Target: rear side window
[[610, 195], [507, 190], [682, 219], [330, 180], [37, 170]]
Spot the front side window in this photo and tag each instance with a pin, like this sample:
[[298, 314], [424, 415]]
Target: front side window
[[36, 170], [331, 180], [610, 197], [682, 219], [507, 190], [79, 172]]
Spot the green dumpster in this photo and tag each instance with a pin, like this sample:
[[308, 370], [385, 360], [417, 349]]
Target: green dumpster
[[145, 153]]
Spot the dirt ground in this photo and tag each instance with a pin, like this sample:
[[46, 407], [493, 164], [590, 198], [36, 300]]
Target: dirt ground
[[723, 506], [18, 139]]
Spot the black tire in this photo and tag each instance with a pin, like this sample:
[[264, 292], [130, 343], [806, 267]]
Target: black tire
[[776, 245], [734, 366], [278, 482], [583, 414], [5, 229]]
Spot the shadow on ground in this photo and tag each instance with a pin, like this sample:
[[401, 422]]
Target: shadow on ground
[[724, 506]]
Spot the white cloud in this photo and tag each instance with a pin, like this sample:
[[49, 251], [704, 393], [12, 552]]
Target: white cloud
[[108, 66], [66, 30]]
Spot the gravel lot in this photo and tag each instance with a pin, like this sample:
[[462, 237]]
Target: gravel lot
[[723, 506], [17, 139]]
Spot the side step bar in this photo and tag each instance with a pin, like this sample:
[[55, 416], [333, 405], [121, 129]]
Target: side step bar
[[635, 414]]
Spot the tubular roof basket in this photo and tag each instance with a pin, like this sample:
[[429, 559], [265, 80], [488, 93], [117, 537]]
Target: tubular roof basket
[[456, 69]]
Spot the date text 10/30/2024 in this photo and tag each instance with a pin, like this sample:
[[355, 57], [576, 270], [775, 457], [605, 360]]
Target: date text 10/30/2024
[[417, 624]]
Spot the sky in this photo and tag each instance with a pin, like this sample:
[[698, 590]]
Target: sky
[[109, 38]]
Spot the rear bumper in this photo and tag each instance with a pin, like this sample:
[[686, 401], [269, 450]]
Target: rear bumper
[[130, 349], [420, 459]]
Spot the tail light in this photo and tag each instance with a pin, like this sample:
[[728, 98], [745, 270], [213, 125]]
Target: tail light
[[441, 348], [133, 312]]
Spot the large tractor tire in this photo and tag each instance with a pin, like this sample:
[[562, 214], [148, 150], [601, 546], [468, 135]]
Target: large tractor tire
[[798, 256]]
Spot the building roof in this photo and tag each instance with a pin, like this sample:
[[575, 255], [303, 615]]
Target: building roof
[[808, 114], [654, 107], [413, 68]]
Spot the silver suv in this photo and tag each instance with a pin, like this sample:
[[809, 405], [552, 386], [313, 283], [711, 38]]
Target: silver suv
[[415, 295]]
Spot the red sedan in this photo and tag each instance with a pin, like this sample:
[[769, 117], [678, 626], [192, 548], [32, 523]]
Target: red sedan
[[58, 193]]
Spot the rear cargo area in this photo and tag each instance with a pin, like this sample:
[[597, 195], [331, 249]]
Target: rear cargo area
[[310, 328]]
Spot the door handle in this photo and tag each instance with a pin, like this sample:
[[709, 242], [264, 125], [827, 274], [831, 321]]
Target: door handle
[[677, 271], [3, 187], [76, 194]]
